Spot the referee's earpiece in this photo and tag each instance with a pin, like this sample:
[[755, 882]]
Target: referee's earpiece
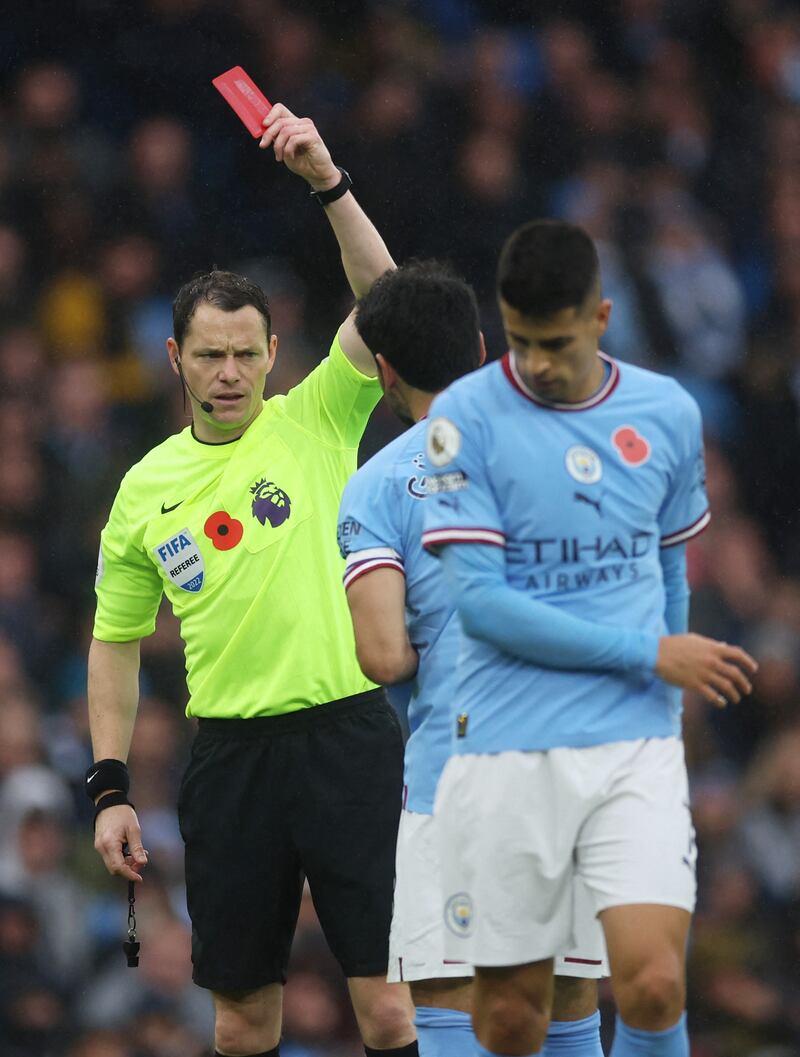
[[205, 405]]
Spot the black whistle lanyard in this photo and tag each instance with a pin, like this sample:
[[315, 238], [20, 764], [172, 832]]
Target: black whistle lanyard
[[131, 945]]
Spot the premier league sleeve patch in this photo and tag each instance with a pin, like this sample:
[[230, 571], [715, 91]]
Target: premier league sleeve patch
[[182, 561], [443, 441]]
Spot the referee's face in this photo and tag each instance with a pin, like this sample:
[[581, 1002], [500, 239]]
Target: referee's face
[[225, 358]]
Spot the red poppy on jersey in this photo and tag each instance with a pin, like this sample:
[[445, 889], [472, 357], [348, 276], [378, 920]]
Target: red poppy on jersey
[[631, 445], [223, 530]]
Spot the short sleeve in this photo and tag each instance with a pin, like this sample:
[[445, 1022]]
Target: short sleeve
[[369, 533], [335, 401], [685, 512], [461, 506], [128, 586]]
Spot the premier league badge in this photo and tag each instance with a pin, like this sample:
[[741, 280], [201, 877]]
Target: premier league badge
[[444, 441], [270, 503]]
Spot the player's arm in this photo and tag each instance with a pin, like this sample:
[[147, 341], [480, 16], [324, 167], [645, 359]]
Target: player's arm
[[464, 526], [691, 661], [676, 588], [113, 692], [513, 622], [510, 620], [297, 143], [695, 662], [370, 533], [377, 601]]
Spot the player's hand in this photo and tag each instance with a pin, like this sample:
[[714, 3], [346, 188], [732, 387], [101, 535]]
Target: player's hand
[[116, 827], [299, 146], [717, 671]]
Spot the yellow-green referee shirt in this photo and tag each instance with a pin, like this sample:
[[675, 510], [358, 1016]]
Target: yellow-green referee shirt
[[241, 537]]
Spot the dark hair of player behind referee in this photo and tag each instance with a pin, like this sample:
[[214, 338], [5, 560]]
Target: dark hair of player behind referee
[[423, 319], [547, 266], [225, 290]]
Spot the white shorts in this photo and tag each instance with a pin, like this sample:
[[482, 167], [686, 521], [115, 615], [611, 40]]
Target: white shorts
[[416, 942], [516, 828]]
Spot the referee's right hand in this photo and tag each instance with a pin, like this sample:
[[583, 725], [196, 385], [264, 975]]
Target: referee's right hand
[[116, 827]]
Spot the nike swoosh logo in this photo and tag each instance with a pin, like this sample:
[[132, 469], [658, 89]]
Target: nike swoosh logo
[[168, 509], [92, 776]]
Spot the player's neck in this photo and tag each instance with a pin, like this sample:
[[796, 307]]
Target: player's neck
[[586, 388], [419, 403]]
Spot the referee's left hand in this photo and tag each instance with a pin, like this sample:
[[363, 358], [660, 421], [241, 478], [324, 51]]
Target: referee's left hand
[[299, 146], [116, 827]]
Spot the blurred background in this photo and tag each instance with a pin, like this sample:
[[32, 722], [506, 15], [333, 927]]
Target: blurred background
[[670, 129]]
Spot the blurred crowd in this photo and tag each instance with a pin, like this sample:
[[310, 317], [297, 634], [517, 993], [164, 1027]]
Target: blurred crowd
[[670, 129]]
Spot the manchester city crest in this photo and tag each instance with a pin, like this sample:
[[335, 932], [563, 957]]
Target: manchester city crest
[[583, 464], [459, 914]]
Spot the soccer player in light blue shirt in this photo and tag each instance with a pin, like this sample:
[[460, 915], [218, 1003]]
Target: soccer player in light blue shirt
[[380, 515], [422, 323], [579, 480]]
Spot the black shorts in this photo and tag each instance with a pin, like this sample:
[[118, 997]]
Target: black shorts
[[268, 802]]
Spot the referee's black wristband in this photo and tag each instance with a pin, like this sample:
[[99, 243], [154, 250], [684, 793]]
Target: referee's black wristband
[[111, 800], [333, 193], [104, 775]]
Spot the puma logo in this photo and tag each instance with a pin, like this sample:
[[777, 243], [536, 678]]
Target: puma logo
[[579, 497]]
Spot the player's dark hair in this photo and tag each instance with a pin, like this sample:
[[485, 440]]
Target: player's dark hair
[[546, 266], [225, 290], [423, 319]]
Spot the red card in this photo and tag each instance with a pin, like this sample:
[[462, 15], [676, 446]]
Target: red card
[[249, 102]]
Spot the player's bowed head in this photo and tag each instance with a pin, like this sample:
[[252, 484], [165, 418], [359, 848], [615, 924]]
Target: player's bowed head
[[553, 311]]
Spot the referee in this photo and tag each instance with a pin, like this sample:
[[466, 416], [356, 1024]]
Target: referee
[[296, 771]]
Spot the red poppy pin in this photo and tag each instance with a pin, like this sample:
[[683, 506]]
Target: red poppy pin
[[224, 531], [631, 445]]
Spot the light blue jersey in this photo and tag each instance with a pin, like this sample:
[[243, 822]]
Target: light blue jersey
[[380, 524], [581, 497]]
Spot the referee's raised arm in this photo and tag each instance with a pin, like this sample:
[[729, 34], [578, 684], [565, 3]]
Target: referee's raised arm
[[297, 143]]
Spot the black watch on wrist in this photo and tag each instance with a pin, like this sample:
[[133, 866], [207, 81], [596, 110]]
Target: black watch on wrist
[[326, 197]]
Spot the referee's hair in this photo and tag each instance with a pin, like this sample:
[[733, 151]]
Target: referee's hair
[[423, 319], [547, 266], [225, 290]]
